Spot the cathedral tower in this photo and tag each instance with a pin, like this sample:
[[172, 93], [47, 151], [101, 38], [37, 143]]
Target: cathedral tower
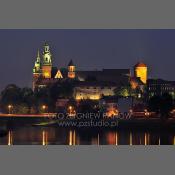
[[71, 70], [47, 62], [36, 70], [140, 71]]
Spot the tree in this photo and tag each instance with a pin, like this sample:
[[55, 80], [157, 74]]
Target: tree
[[11, 95], [28, 96], [161, 105], [123, 91], [22, 108], [86, 106], [20, 100], [42, 97], [24, 100], [62, 90], [166, 105], [154, 104]]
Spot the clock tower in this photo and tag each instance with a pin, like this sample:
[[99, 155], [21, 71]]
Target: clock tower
[[47, 62]]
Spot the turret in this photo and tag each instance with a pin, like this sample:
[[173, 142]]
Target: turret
[[140, 71], [71, 70], [36, 70]]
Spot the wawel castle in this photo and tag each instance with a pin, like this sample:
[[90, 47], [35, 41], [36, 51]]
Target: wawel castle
[[89, 84]]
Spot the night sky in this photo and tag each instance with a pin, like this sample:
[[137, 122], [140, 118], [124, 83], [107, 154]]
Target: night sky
[[89, 49]]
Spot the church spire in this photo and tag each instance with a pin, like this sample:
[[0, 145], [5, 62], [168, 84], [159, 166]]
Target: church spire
[[38, 54], [38, 57], [37, 66]]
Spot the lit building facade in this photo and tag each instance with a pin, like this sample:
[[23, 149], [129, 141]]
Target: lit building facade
[[93, 90], [158, 87]]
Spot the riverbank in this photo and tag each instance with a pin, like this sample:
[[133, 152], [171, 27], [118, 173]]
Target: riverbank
[[46, 120]]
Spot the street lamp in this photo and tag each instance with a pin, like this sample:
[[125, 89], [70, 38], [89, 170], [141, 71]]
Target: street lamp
[[9, 108], [44, 108], [71, 111]]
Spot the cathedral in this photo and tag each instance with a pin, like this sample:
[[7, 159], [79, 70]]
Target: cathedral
[[89, 84], [44, 72]]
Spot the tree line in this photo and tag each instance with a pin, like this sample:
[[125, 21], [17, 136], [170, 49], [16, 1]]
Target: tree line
[[26, 101]]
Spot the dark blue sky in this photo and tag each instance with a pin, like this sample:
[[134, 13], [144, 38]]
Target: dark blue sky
[[89, 49]]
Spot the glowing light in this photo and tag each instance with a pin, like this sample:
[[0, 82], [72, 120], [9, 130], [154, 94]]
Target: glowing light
[[112, 111], [74, 138], [9, 108], [71, 73], [71, 68], [46, 71], [87, 96], [159, 140], [111, 138], [58, 75], [44, 106], [71, 111], [141, 72], [146, 139], [146, 113], [134, 84], [116, 138]]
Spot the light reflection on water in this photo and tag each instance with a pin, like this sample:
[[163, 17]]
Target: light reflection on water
[[66, 136]]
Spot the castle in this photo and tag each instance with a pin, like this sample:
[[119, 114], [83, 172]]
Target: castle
[[90, 84]]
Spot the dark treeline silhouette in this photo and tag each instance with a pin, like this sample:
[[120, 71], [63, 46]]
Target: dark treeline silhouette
[[24, 100], [162, 105]]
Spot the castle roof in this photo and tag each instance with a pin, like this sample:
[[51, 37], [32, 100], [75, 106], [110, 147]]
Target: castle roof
[[94, 83], [119, 76], [71, 63], [46, 44], [140, 64]]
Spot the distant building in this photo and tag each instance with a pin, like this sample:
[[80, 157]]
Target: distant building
[[159, 87], [93, 90], [140, 71]]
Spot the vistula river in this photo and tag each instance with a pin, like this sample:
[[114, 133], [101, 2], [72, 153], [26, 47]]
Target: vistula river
[[32, 135]]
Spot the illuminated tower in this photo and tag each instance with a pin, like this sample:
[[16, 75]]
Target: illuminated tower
[[47, 62], [71, 70], [140, 70], [36, 70]]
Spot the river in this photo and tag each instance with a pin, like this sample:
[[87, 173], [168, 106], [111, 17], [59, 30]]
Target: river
[[32, 135]]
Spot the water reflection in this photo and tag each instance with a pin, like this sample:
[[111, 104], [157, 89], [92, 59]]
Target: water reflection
[[66, 136], [72, 137], [10, 138], [130, 138], [44, 138]]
